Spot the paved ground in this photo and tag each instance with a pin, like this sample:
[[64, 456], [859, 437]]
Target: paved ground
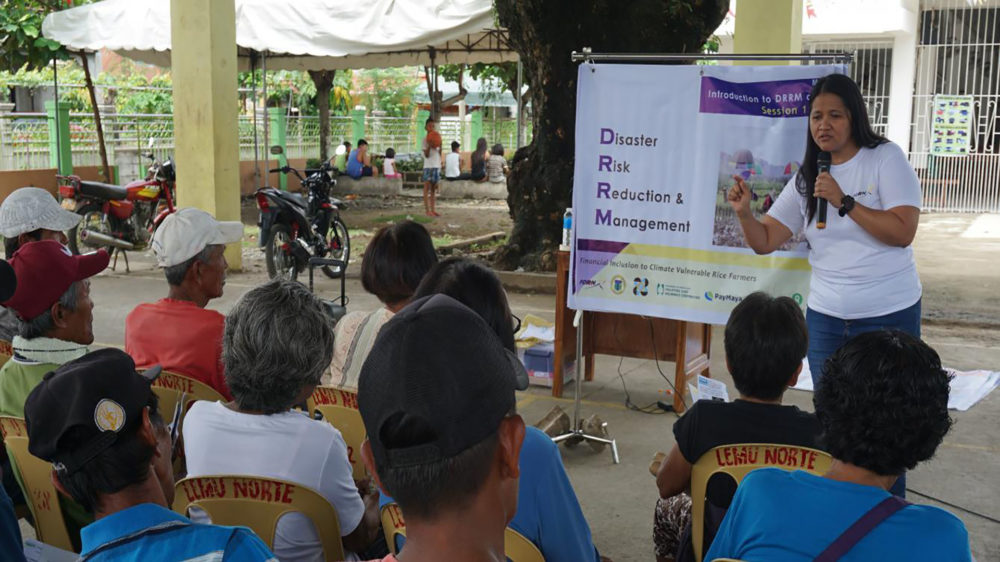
[[961, 303]]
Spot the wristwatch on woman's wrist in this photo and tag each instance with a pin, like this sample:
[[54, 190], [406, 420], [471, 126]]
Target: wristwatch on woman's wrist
[[846, 205]]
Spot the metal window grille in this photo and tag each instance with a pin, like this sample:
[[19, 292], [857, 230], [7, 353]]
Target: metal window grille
[[959, 54], [871, 69]]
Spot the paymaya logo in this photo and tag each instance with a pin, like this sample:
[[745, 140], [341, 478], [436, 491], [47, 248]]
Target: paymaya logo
[[708, 296]]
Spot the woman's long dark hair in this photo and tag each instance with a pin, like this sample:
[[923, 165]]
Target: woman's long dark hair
[[861, 131]]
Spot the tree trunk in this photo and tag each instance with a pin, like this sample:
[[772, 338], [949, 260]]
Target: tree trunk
[[540, 185], [323, 79], [89, 81]]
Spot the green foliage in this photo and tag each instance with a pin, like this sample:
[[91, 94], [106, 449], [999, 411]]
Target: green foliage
[[387, 89], [296, 88], [499, 77], [146, 101], [21, 40]]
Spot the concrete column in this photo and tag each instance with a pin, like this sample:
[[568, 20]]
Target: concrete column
[[203, 65], [277, 131], [422, 116], [901, 82], [768, 27], [60, 156], [6, 146], [128, 163], [357, 126]]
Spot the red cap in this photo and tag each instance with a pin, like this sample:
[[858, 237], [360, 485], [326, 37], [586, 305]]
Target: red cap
[[45, 269]]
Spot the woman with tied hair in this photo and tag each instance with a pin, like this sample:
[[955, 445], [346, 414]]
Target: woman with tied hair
[[395, 261], [864, 277], [548, 513], [276, 344], [479, 157], [882, 404]]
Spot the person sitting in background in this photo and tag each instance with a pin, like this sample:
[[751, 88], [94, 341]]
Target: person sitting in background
[[30, 214], [496, 166], [389, 165], [453, 164], [479, 157], [340, 158], [765, 341], [178, 332], [451, 464], [10, 532], [277, 343], [394, 262], [97, 421], [359, 163], [548, 512], [883, 404]]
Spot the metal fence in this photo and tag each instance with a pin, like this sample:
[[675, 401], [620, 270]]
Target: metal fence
[[958, 54], [871, 69]]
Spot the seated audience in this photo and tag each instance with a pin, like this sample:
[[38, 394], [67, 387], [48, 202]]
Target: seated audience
[[496, 166], [340, 158], [178, 332], [479, 157], [450, 463], [548, 513], [96, 420], [395, 261], [27, 215], [389, 165], [359, 162], [277, 343], [883, 404], [765, 342], [453, 164], [10, 532]]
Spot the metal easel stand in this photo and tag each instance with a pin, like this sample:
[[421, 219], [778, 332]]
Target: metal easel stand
[[577, 432]]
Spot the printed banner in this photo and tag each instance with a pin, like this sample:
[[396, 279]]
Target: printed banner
[[656, 151], [952, 125]]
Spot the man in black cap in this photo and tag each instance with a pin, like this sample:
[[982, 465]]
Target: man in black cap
[[444, 438], [96, 420]]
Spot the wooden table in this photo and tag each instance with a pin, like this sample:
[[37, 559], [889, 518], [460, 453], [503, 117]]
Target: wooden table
[[686, 344]]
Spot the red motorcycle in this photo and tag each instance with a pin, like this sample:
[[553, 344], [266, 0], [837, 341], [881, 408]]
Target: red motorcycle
[[115, 216]]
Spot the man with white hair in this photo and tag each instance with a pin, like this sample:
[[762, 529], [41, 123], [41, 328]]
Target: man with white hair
[[178, 332], [27, 215]]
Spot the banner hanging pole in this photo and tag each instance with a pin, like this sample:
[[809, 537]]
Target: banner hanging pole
[[587, 56]]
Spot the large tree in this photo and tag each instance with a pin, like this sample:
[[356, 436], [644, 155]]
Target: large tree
[[544, 33]]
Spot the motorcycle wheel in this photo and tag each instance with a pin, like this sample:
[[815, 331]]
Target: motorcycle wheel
[[280, 263], [340, 248], [93, 219]]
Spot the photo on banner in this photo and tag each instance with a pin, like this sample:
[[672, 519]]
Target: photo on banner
[[657, 147]]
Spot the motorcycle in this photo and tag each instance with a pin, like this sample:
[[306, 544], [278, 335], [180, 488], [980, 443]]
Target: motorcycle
[[294, 228], [115, 216]]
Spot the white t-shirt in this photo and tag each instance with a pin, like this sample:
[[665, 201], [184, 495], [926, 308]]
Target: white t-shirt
[[452, 165], [854, 275], [287, 446], [433, 158], [389, 166]]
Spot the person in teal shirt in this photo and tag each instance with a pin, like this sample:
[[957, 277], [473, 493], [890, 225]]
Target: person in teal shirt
[[883, 406]]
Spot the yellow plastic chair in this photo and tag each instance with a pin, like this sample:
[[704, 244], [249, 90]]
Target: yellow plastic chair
[[6, 352], [258, 503], [737, 461], [392, 525], [516, 546], [519, 549], [339, 407], [36, 481], [171, 388]]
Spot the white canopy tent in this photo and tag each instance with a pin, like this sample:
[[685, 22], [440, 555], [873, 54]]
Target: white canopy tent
[[301, 34]]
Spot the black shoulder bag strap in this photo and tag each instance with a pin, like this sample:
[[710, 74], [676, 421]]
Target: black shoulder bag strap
[[853, 535]]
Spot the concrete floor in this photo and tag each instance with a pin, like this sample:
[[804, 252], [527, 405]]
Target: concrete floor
[[960, 279]]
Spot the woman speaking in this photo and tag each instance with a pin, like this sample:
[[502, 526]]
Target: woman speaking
[[864, 277]]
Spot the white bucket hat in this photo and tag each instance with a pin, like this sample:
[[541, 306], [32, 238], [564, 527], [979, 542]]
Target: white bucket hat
[[185, 233], [29, 208]]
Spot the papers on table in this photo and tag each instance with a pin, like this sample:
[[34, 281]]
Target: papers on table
[[967, 387], [708, 389]]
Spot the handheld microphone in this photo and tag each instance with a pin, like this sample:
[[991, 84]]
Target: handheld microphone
[[822, 165]]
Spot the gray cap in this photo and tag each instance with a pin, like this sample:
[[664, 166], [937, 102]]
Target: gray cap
[[30, 208]]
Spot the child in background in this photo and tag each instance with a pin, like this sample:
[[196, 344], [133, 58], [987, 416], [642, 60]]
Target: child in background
[[389, 165], [340, 158], [453, 163], [496, 166], [432, 166]]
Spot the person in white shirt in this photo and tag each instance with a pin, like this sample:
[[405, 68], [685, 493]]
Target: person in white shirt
[[453, 164], [276, 345]]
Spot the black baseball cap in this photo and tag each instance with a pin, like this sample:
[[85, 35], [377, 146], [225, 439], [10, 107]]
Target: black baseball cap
[[438, 362], [100, 392]]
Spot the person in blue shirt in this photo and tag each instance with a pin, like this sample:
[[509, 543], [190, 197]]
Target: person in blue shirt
[[883, 406], [96, 420]]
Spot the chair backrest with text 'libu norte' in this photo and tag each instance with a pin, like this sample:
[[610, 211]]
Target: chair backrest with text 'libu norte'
[[171, 388], [6, 351], [36, 483], [258, 503], [516, 546], [737, 461], [339, 407]]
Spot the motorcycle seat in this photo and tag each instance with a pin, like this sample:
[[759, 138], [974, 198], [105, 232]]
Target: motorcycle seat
[[294, 198], [103, 190]]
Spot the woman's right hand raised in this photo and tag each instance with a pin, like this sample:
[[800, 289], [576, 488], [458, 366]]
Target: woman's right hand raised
[[739, 197]]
